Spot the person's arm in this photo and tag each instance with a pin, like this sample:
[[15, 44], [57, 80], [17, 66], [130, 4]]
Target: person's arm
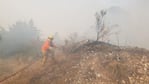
[[52, 45]]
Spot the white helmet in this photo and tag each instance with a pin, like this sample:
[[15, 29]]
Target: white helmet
[[51, 37]]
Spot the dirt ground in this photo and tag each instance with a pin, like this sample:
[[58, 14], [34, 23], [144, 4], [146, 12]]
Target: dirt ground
[[89, 64]]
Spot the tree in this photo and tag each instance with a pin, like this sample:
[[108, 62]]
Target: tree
[[1, 32], [100, 25], [0, 35], [22, 37]]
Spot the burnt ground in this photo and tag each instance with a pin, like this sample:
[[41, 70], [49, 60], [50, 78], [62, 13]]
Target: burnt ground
[[89, 63]]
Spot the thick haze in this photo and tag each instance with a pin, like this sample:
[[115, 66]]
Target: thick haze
[[67, 16]]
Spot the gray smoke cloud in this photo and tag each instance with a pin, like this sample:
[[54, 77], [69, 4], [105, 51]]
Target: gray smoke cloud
[[21, 37], [68, 16], [133, 18]]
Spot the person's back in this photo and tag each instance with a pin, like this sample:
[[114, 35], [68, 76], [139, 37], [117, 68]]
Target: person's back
[[46, 45]]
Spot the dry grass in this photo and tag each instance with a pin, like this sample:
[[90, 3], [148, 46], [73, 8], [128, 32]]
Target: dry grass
[[90, 66]]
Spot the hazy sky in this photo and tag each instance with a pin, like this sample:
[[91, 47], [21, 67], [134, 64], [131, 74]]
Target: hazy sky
[[66, 16]]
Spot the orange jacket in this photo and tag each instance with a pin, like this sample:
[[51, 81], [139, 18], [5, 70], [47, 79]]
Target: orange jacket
[[46, 45]]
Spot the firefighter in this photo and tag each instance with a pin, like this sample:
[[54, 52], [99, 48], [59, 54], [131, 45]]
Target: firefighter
[[47, 49]]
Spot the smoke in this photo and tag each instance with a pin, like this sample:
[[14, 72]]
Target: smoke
[[133, 19], [69, 16], [21, 37]]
